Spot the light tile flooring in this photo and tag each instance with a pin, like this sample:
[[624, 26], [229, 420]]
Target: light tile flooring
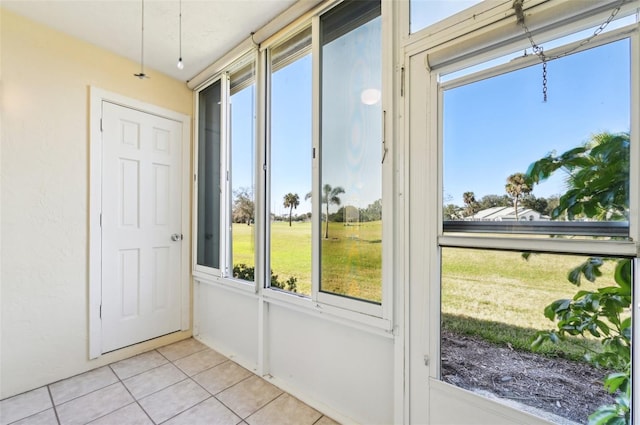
[[185, 383]]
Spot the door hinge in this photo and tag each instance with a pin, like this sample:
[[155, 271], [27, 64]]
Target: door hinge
[[101, 311], [314, 153], [402, 81], [100, 219], [101, 125], [426, 360]]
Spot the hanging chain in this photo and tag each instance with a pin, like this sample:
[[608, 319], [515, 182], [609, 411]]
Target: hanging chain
[[539, 50]]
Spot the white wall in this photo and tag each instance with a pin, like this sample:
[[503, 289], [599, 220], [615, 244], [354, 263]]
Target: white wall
[[345, 372], [46, 77]]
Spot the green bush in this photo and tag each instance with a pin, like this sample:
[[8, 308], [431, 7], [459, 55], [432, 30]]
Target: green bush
[[244, 272]]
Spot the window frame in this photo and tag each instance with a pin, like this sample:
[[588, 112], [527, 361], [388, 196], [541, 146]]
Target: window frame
[[377, 317], [611, 247], [224, 273], [382, 310], [621, 248]]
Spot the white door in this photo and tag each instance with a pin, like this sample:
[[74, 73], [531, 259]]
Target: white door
[[141, 226]]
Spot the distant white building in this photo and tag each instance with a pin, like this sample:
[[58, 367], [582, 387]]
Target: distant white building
[[508, 214]]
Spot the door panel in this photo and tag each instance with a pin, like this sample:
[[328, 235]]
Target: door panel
[[141, 210]]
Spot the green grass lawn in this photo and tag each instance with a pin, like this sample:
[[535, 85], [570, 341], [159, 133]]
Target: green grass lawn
[[497, 295], [351, 257], [500, 297], [503, 287]]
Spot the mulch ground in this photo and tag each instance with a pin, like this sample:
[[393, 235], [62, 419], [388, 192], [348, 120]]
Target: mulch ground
[[569, 389]]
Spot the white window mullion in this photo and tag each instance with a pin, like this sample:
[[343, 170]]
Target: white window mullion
[[262, 193], [634, 177], [316, 196], [225, 178]]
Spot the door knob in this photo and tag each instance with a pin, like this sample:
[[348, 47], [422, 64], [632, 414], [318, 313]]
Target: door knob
[[176, 237]]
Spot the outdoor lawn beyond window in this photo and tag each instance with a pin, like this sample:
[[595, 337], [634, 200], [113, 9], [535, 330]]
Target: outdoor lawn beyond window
[[290, 149], [297, 208], [350, 190], [494, 305], [515, 325], [242, 176]]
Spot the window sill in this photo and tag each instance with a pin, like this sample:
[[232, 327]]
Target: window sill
[[302, 304], [226, 283], [496, 406], [339, 315]]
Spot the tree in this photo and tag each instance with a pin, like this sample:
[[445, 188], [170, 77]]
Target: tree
[[490, 201], [452, 212], [469, 199], [597, 177], [373, 212], [243, 206], [517, 186], [291, 201], [598, 187], [537, 204], [330, 196]]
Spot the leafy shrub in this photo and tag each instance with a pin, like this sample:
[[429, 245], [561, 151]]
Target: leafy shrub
[[244, 272]]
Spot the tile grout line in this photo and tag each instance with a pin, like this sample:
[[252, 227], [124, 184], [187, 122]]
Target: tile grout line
[[204, 389], [135, 400], [268, 403], [36, 413], [190, 354], [55, 410], [238, 383], [180, 413], [139, 373]]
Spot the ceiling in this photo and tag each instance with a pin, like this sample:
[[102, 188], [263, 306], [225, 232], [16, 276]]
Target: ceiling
[[209, 27]]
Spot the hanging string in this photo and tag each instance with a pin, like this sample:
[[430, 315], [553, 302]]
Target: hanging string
[[142, 75], [180, 63], [539, 50]]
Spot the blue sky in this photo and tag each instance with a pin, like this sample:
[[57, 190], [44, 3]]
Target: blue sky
[[492, 128], [499, 126]]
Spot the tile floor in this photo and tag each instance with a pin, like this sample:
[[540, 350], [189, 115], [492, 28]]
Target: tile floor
[[185, 383]]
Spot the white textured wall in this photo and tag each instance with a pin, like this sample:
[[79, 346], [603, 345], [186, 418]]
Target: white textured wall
[[347, 369], [345, 372], [44, 194]]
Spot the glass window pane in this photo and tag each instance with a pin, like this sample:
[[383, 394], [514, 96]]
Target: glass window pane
[[351, 152], [494, 305], [209, 176], [242, 173], [427, 12], [290, 171], [499, 136]]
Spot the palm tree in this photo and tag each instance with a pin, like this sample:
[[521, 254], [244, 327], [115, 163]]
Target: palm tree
[[291, 201], [517, 186], [329, 196], [469, 199]]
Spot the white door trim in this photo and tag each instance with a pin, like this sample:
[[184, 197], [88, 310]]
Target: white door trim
[[97, 96]]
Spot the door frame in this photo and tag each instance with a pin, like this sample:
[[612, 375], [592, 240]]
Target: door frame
[[97, 96]]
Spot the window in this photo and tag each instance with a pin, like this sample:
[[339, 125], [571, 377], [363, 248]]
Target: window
[[492, 310], [349, 192], [209, 187], [524, 183], [594, 127], [243, 165], [322, 163], [226, 174], [291, 155]]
